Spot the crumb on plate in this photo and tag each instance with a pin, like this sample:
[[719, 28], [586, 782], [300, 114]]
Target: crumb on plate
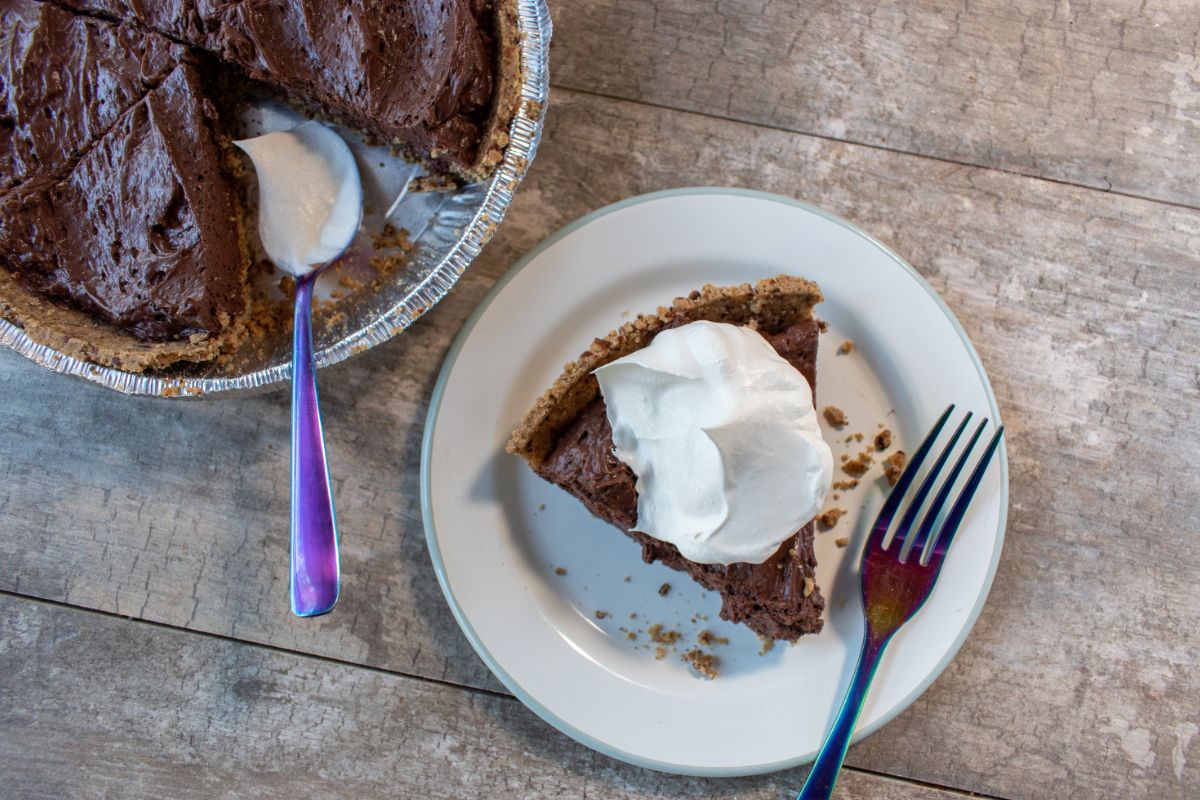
[[835, 416], [830, 517], [858, 465], [704, 663], [893, 466], [659, 635]]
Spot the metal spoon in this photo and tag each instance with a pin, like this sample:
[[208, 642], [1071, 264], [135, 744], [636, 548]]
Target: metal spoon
[[310, 208]]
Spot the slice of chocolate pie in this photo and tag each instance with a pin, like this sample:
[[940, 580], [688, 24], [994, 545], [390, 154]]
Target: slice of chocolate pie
[[568, 440]]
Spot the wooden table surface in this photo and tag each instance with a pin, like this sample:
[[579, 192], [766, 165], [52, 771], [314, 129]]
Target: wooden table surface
[[1036, 161]]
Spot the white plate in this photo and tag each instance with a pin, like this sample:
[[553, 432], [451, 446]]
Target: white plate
[[496, 532]]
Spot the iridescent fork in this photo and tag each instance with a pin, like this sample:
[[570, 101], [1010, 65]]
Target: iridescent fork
[[897, 575]]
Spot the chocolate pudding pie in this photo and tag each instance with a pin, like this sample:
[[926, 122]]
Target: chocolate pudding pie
[[567, 439], [121, 226]]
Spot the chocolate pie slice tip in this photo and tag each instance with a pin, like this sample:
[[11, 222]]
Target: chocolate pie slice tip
[[567, 440]]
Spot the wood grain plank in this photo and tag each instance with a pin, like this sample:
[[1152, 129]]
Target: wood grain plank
[[179, 513], [1103, 93], [1083, 305], [99, 707]]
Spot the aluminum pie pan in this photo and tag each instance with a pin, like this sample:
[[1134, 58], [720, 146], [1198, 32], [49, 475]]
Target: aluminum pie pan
[[449, 229]]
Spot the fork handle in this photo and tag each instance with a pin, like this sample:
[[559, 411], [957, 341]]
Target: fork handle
[[824, 772]]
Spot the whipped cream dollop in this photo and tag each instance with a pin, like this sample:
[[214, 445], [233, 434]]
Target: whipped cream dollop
[[309, 195], [723, 437]]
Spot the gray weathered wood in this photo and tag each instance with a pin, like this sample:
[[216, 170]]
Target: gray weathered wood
[[99, 707], [1082, 670], [1103, 93]]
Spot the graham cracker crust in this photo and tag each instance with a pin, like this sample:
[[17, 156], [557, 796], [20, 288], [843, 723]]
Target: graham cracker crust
[[507, 96]]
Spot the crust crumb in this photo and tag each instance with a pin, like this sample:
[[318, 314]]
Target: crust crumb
[[660, 636], [830, 517], [883, 439], [845, 347], [768, 644], [835, 416], [664, 590], [601, 614], [842, 541], [390, 238], [809, 586], [858, 465], [708, 639], [893, 466], [560, 571], [704, 663]]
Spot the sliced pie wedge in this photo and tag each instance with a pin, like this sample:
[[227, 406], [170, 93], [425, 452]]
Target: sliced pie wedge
[[567, 440]]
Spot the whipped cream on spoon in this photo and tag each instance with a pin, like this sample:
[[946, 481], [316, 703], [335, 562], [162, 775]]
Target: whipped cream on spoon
[[309, 210]]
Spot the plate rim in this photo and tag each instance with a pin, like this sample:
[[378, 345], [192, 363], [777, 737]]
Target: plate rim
[[435, 403]]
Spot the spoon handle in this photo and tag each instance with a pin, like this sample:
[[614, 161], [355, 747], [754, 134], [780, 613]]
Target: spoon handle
[[314, 529]]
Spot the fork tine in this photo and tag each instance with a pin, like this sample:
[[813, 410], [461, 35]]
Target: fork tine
[[939, 502], [914, 506], [884, 520], [942, 544]]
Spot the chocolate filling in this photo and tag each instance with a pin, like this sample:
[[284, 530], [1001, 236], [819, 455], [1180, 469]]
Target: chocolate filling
[[139, 231], [769, 597], [113, 198], [64, 82], [418, 73]]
